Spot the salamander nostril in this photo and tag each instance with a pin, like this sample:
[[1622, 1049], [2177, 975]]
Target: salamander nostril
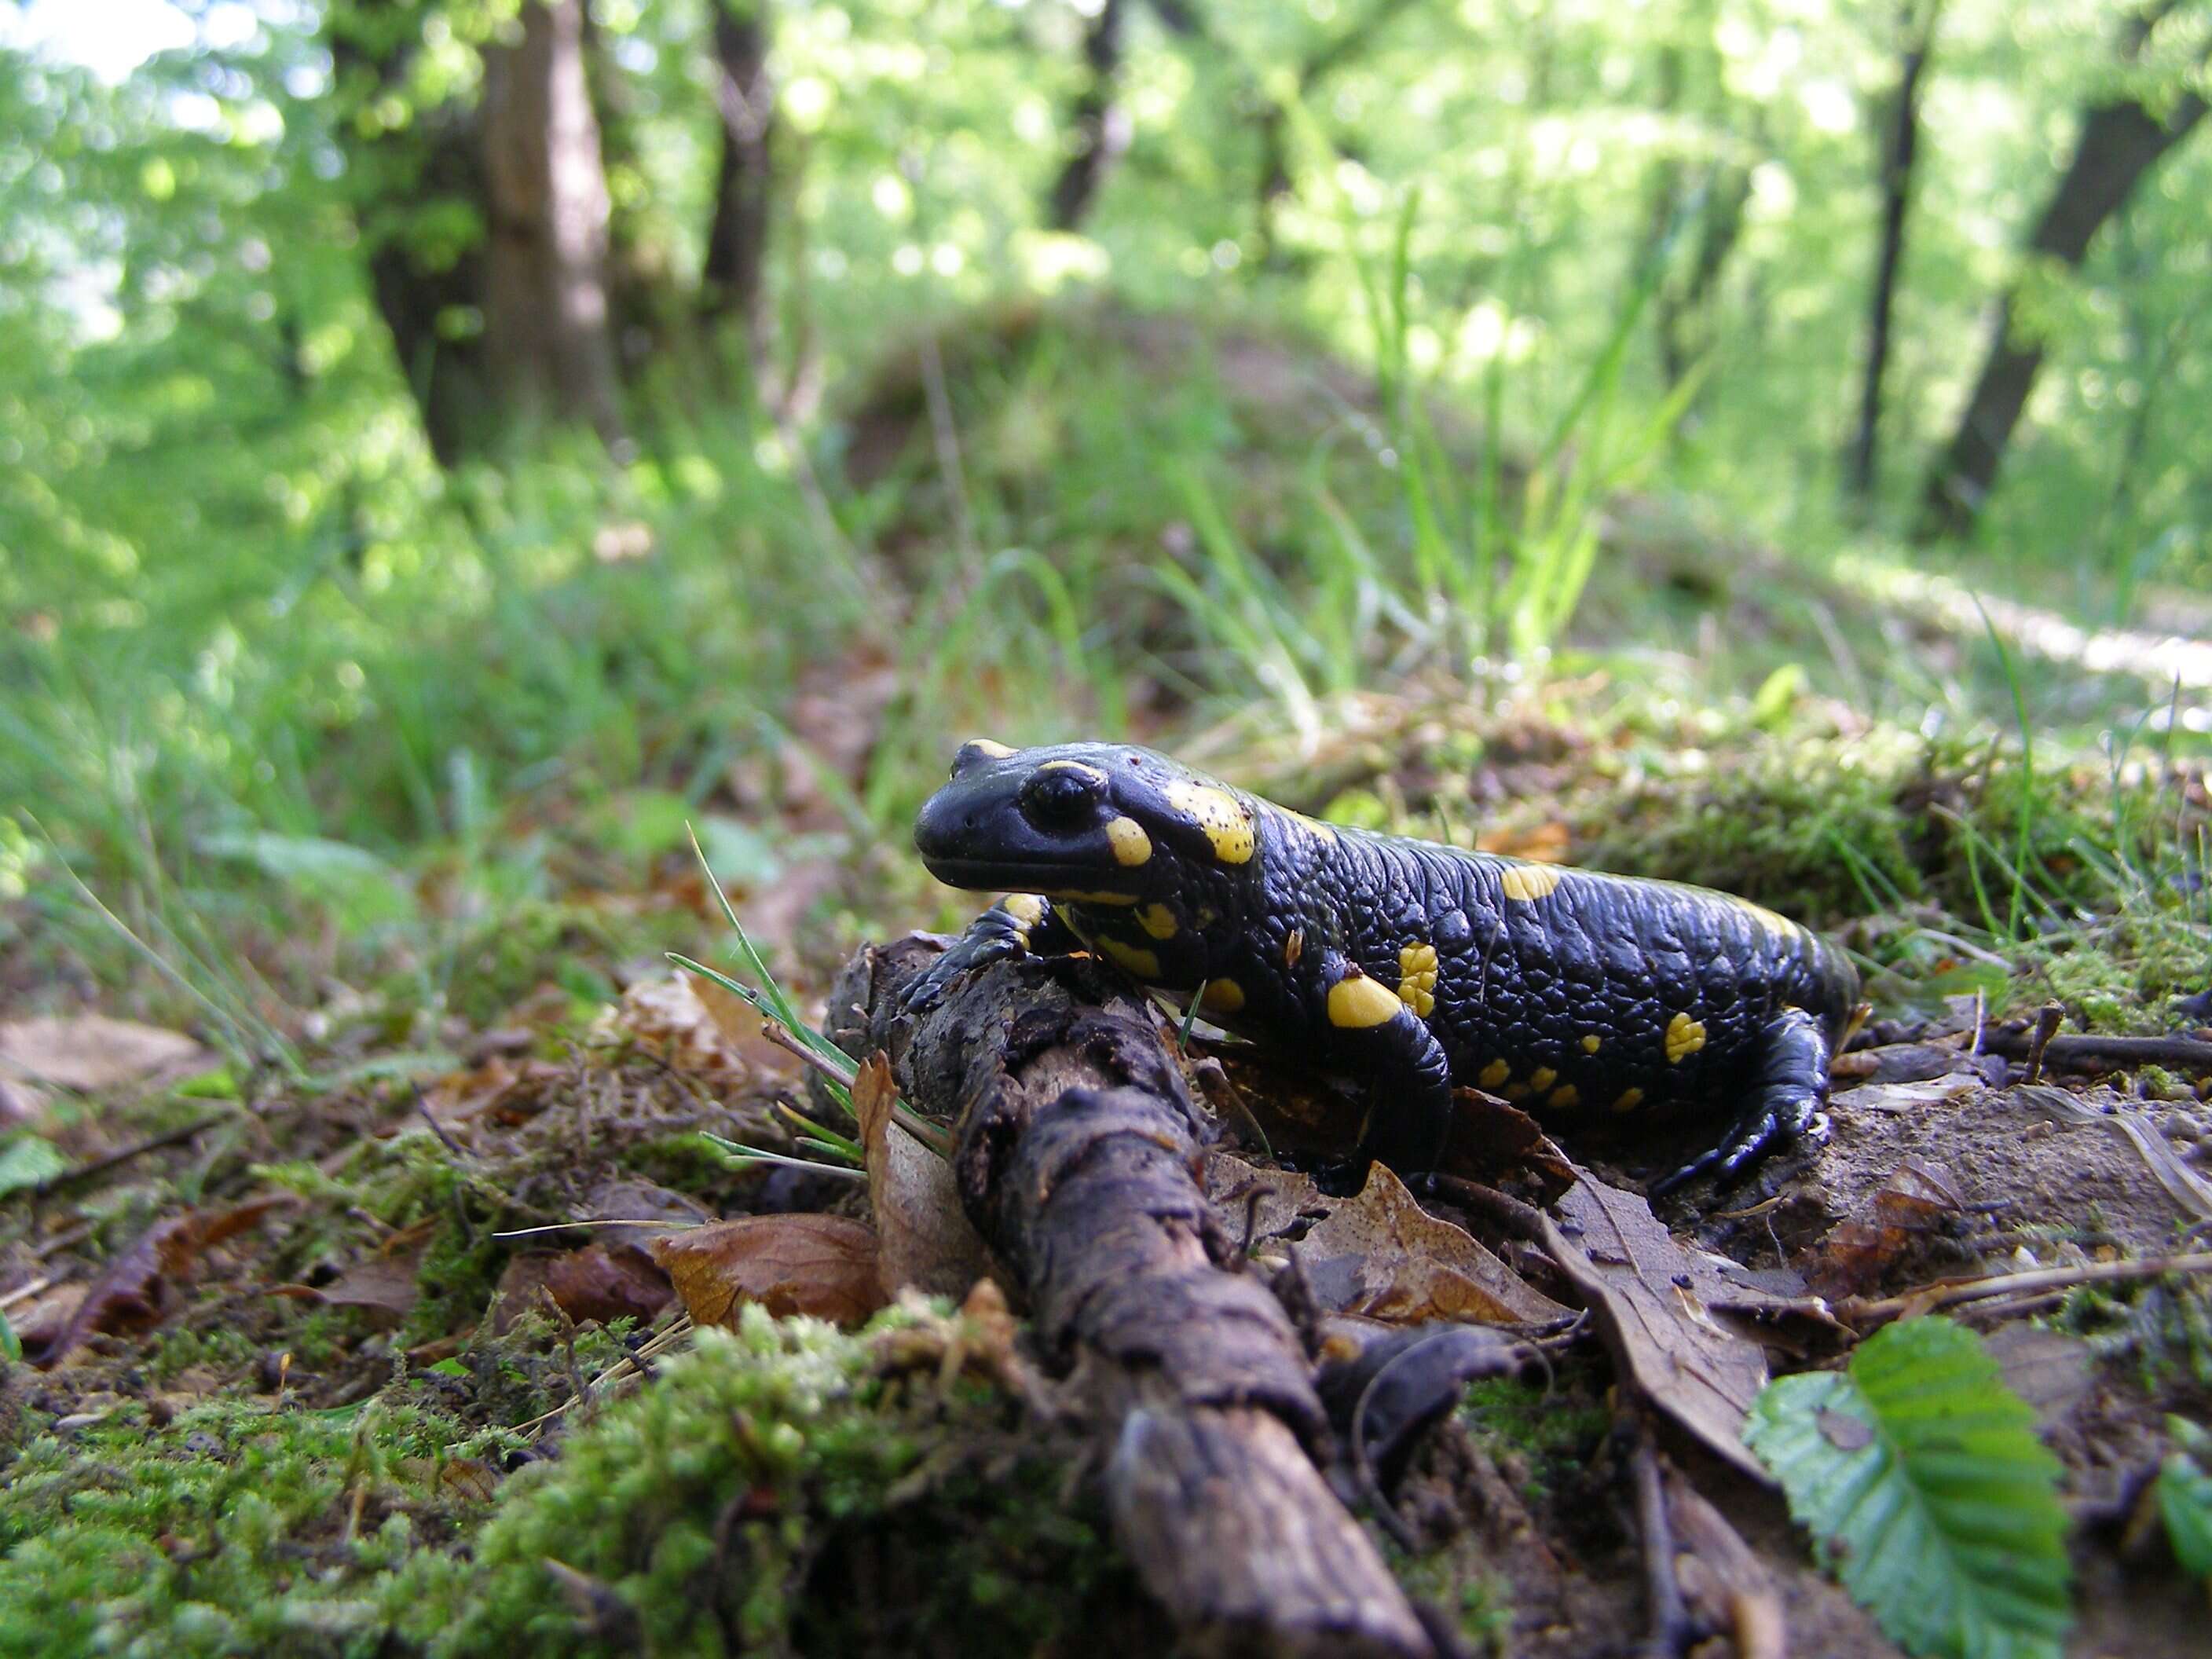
[[1059, 798]]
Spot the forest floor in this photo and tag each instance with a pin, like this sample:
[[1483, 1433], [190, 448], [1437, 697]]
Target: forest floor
[[345, 1355]]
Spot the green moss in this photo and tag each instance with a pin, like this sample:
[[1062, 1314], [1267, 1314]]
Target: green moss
[[747, 1497], [1545, 1424], [731, 1505], [238, 1528]]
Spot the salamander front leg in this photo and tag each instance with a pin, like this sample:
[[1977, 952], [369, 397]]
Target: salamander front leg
[[1377, 1038], [1787, 1093], [1021, 924]]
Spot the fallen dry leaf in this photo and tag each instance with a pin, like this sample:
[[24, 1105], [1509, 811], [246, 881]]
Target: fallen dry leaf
[[91, 1051], [138, 1290], [697, 1026], [604, 1283], [1380, 1255], [1722, 1577], [1910, 1097], [1261, 1203], [385, 1282], [1653, 1299], [1493, 1140], [923, 1237], [1919, 1201], [821, 1265]]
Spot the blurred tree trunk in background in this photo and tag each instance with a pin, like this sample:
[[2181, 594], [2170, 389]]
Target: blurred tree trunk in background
[[548, 346], [733, 285], [1706, 205], [1101, 125], [1900, 148], [2120, 141], [415, 178], [487, 226]]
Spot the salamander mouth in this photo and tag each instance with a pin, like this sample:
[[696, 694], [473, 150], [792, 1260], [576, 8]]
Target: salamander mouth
[[1016, 876]]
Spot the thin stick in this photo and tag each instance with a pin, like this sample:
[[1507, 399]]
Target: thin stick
[[124, 1154], [1670, 1621], [1950, 1292]]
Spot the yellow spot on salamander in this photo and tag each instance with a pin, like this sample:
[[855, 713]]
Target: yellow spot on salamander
[[1357, 1002], [1312, 826], [1079, 896], [1566, 1095], [1781, 927], [1417, 977], [1528, 882], [1130, 845], [1139, 962], [1076, 766], [1221, 996], [1684, 1036], [1158, 920], [1294, 947], [990, 749], [1542, 1077], [1628, 1100], [1592, 1043], [1027, 909], [1226, 821], [1494, 1073], [1516, 1091]]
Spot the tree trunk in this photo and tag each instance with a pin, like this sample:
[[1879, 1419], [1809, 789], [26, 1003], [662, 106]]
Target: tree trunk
[[1900, 147], [403, 181], [744, 183], [1318, 65], [1102, 126], [2120, 142], [548, 347]]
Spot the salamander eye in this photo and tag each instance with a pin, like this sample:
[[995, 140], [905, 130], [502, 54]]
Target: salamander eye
[[1062, 797]]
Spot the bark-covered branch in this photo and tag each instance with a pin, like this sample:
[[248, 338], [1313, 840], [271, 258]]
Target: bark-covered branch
[[1077, 1157], [745, 185]]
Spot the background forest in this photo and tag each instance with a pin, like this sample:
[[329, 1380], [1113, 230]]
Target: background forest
[[449, 447]]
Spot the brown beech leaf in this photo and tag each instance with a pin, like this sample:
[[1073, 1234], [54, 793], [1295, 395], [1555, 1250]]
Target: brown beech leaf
[[91, 1051], [138, 1290], [923, 1237], [1918, 1202], [1656, 1303], [1493, 1140], [1380, 1255], [821, 1265], [384, 1283], [606, 1283]]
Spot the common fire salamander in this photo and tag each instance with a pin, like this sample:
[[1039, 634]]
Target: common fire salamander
[[1414, 966]]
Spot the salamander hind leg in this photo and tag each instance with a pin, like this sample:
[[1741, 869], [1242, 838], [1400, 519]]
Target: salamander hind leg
[[1377, 1038], [1789, 1086]]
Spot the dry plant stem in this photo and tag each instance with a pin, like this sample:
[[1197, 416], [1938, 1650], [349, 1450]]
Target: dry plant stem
[[1670, 1632], [1950, 1292], [1076, 1157]]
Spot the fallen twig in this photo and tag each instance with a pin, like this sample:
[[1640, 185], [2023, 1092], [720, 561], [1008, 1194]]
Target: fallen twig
[[1076, 1155], [2083, 1051], [1952, 1293], [124, 1154]]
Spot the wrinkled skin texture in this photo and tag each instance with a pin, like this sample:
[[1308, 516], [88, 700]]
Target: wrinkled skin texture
[[1411, 966]]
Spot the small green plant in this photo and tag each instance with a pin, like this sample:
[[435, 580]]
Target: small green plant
[[1920, 1477], [2184, 1495]]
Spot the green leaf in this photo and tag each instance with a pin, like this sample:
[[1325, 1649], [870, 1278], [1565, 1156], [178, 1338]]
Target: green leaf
[[1920, 1477], [2185, 1499], [11, 1345], [27, 1161]]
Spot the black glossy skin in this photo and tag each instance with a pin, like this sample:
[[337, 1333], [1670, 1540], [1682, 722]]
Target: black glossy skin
[[1579, 994]]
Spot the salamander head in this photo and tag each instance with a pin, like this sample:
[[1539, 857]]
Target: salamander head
[[1106, 822]]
